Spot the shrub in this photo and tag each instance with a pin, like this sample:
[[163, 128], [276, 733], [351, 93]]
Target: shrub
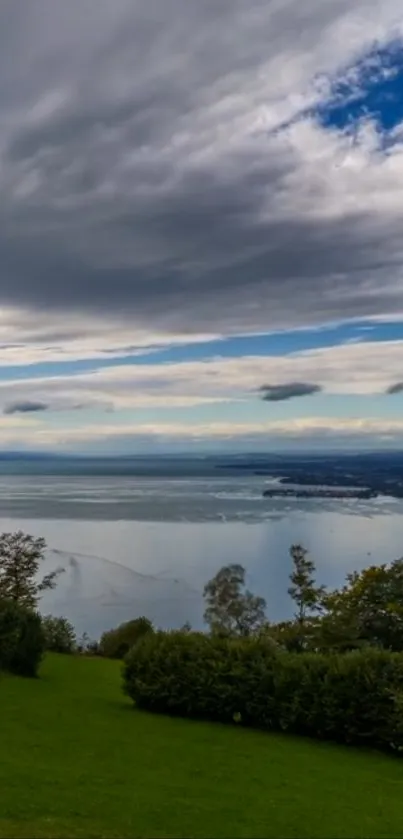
[[59, 635], [116, 643], [353, 698], [22, 641]]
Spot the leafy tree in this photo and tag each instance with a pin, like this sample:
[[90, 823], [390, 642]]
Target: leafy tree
[[303, 590], [338, 631], [59, 635], [307, 596], [368, 609], [230, 609], [288, 636], [20, 559]]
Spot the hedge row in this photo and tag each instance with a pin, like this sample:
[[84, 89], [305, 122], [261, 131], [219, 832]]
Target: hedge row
[[22, 642], [355, 697]]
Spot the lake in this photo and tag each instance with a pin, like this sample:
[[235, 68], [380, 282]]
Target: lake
[[147, 545]]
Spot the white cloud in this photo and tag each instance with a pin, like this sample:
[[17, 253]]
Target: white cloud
[[314, 431], [28, 338], [296, 427], [365, 368]]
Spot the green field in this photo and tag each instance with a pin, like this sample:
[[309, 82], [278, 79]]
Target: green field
[[77, 760]]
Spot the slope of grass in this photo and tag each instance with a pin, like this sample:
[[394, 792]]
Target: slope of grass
[[76, 760]]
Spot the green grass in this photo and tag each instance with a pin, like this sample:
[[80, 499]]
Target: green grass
[[76, 760]]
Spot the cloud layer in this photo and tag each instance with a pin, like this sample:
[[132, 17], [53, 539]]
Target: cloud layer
[[182, 171], [358, 369], [163, 173], [313, 432]]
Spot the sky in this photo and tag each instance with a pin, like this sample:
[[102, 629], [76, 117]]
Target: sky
[[201, 225]]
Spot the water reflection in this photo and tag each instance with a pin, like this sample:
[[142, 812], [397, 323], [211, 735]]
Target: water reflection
[[116, 570]]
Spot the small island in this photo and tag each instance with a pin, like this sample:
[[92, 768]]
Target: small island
[[320, 492]]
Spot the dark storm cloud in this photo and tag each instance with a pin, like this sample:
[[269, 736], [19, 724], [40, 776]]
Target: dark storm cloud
[[136, 185], [279, 393], [26, 407], [396, 388]]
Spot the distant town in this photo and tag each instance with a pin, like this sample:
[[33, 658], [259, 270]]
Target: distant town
[[366, 475], [319, 492], [334, 475]]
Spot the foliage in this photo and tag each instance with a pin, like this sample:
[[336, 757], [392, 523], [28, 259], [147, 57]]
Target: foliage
[[230, 609], [288, 635], [338, 631], [368, 609], [114, 772], [59, 634], [306, 594], [117, 642], [352, 698], [20, 558], [22, 641]]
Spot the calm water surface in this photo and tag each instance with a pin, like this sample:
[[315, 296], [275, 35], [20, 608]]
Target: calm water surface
[[132, 546]]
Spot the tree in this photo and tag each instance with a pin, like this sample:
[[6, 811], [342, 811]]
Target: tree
[[230, 609], [303, 590], [338, 631], [59, 635], [287, 635], [368, 609], [307, 596], [20, 558]]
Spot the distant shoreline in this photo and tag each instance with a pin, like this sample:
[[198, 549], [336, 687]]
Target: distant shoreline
[[279, 492]]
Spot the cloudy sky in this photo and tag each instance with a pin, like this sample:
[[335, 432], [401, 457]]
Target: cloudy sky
[[201, 224]]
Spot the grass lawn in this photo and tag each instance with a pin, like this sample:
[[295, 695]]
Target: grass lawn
[[76, 760]]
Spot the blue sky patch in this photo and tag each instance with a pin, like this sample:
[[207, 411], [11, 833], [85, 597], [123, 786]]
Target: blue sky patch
[[373, 89], [270, 344]]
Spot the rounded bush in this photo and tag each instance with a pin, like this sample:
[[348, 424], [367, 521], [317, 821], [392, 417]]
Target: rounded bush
[[116, 643], [22, 641]]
